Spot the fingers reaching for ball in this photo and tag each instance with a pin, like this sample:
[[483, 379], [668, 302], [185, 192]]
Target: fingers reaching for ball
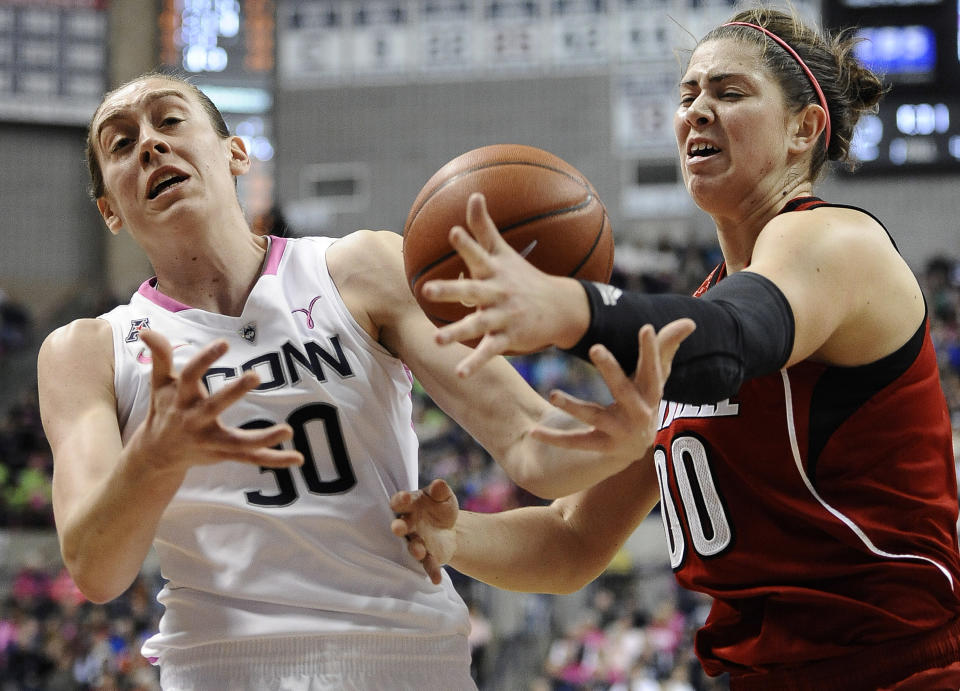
[[520, 309], [518, 214]]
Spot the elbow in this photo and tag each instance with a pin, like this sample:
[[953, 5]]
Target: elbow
[[535, 482], [95, 585], [542, 484], [573, 580], [571, 586], [97, 590]]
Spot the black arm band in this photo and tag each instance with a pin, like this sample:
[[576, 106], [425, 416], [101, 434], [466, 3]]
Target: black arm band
[[745, 329]]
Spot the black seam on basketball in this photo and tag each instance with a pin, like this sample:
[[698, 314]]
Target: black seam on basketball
[[596, 241], [503, 231], [493, 164]]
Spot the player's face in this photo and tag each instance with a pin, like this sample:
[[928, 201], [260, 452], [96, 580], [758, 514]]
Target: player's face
[[162, 161], [731, 126]]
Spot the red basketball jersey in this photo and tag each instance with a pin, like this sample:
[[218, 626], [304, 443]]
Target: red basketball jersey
[[818, 508]]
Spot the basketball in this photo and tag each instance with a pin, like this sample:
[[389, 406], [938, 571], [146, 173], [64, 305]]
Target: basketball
[[543, 207]]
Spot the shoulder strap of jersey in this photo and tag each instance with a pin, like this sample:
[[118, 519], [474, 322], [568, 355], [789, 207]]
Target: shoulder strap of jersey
[[807, 203]]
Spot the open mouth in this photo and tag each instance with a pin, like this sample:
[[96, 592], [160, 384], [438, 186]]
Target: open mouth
[[702, 151], [165, 183]]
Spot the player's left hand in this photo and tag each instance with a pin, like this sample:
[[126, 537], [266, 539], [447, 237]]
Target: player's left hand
[[626, 428], [427, 519]]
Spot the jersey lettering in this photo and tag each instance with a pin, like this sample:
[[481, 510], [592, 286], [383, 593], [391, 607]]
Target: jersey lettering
[[676, 545], [670, 411], [280, 369], [706, 517], [313, 424]]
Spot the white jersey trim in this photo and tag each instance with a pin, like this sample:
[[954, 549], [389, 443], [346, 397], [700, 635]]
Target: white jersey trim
[[836, 513]]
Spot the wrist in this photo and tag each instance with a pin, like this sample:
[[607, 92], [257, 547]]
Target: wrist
[[145, 462], [573, 312]]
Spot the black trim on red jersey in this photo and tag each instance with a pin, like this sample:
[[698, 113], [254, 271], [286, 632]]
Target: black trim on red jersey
[[719, 273], [807, 203], [842, 390], [803, 204]]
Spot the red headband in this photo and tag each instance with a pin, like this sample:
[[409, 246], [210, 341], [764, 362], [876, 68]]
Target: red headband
[[813, 80]]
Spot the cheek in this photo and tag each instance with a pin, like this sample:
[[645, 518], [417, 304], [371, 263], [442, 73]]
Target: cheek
[[680, 128]]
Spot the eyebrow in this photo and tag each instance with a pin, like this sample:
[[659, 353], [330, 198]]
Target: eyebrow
[[723, 76], [118, 113]]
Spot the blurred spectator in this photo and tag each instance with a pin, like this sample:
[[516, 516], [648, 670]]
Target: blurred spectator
[[52, 639], [26, 468], [15, 325]]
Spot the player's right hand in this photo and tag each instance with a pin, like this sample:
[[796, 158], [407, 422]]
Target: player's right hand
[[183, 426], [520, 309], [427, 519]]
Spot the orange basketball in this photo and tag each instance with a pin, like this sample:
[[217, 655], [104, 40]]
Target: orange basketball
[[543, 206]]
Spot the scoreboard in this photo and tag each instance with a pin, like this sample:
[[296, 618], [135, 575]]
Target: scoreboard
[[914, 45]]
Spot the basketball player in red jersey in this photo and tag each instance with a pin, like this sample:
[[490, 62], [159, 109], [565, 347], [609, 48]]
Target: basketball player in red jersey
[[803, 456]]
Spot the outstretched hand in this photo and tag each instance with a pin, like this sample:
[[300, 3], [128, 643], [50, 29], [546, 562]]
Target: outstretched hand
[[427, 519], [183, 424], [520, 309], [624, 429]]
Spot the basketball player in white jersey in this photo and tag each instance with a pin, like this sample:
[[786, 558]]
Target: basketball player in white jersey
[[248, 413]]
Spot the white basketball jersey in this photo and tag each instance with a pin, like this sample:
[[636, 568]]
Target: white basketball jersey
[[251, 552]]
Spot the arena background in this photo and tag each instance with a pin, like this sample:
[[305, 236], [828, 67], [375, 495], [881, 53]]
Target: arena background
[[349, 106]]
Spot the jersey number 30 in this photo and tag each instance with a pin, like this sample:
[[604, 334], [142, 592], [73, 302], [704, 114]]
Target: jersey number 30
[[300, 420], [707, 521]]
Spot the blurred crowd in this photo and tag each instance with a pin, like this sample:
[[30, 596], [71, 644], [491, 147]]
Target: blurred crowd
[[15, 325], [51, 638]]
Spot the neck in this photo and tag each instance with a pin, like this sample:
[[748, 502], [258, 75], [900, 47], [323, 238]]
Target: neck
[[214, 272], [737, 232]]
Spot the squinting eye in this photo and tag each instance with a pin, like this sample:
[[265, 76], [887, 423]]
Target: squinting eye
[[119, 144], [171, 120]]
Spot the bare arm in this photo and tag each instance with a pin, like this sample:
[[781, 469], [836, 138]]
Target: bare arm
[[553, 549], [108, 498], [496, 406], [853, 297]]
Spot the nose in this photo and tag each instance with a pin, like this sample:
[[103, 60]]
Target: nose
[[151, 145], [699, 113]]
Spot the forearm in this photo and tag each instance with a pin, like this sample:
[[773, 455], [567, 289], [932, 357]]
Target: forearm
[[550, 471], [106, 534], [530, 549], [745, 328]]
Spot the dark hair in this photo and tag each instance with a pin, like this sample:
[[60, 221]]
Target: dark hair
[[96, 188], [850, 88]]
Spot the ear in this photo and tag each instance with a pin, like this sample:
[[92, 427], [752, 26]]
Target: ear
[[110, 216], [239, 158], [807, 126]]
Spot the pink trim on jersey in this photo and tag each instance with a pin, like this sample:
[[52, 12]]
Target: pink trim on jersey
[[148, 290], [277, 245]]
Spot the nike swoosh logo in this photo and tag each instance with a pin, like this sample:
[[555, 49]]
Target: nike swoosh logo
[[145, 359]]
